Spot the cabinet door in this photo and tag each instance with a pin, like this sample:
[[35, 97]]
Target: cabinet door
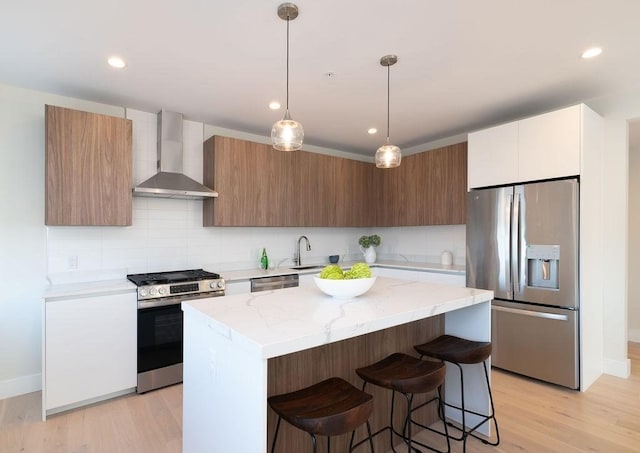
[[493, 156], [442, 198], [90, 348], [549, 145], [428, 188], [253, 180], [88, 168]]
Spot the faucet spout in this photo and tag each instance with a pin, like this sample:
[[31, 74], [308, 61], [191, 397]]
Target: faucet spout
[[298, 259]]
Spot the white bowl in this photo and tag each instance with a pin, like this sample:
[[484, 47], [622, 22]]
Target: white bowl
[[344, 289]]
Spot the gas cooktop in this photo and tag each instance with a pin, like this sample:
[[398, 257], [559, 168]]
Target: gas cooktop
[[176, 285], [166, 278]]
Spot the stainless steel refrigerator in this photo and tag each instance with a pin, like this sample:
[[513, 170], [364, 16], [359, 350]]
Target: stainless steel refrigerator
[[522, 243]]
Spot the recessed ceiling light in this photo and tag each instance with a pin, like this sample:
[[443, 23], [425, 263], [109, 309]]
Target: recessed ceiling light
[[116, 62], [372, 130], [275, 105], [592, 52]]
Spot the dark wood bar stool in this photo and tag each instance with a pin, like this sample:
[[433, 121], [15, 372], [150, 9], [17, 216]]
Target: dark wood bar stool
[[460, 351], [407, 375], [328, 408]]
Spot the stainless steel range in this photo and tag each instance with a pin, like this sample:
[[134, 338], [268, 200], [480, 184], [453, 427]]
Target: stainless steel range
[[160, 321]]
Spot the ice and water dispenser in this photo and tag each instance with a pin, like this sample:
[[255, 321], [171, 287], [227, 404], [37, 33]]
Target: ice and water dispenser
[[543, 262]]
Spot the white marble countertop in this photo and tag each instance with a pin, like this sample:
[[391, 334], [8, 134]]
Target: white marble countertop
[[94, 288], [274, 323], [247, 274]]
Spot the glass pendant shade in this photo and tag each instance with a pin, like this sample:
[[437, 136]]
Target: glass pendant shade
[[388, 156], [287, 134]]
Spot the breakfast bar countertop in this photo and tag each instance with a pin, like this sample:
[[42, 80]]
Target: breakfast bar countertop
[[274, 323]]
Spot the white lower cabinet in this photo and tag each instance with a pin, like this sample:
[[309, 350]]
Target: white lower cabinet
[[89, 349]]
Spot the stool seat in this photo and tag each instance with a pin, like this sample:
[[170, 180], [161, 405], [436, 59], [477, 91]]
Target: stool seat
[[455, 350], [329, 408], [404, 373], [408, 376], [460, 351]]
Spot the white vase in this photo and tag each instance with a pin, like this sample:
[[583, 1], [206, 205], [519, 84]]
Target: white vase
[[369, 254]]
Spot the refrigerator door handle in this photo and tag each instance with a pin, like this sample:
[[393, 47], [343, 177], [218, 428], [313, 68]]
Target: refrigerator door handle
[[534, 314], [509, 266], [515, 243]]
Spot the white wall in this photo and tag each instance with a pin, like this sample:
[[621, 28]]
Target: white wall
[[634, 228], [617, 111], [22, 231], [166, 234]]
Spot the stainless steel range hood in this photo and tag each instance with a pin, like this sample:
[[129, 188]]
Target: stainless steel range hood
[[170, 182]]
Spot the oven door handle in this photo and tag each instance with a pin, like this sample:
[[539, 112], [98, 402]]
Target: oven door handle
[[151, 303], [142, 304]]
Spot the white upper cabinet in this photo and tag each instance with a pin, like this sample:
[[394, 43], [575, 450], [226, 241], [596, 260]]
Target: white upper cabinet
[[549, 145], [492, 156], [542, 147]]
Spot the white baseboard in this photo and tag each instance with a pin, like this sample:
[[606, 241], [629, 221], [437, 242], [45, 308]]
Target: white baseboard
[[634, 335], [20, 385], [618, 368]]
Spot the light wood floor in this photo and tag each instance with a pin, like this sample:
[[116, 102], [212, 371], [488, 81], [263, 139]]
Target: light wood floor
[[533, 417]]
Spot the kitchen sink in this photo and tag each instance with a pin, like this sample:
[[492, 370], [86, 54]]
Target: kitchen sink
[[307, 266]]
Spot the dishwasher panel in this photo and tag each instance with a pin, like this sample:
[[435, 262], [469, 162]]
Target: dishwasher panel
[[274, 282]]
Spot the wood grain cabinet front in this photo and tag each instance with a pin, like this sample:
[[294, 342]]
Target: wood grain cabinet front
[[88, 168], [259, 186], [428, 188]]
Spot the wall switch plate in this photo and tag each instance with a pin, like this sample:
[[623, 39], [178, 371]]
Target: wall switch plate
[[72, 262]]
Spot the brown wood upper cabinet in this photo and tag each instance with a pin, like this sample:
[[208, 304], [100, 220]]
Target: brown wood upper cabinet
[[88, 168], [259, 186], [428, 188]]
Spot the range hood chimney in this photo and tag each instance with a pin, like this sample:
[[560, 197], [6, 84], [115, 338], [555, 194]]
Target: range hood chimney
[[170, 182]]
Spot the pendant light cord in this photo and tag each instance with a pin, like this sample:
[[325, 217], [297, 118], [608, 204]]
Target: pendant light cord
[[287, 62], [388, 98]]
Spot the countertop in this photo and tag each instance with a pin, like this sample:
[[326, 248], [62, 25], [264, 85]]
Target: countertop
[[96, 288], [247, 274], [115, 285], [274, 323]]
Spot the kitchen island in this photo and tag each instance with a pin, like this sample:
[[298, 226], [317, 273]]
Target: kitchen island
[[240, 349]]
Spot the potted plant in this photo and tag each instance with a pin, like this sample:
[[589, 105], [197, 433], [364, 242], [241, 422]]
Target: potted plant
[[367, 244]]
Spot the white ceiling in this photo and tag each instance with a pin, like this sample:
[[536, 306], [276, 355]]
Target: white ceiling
[[463, 64]]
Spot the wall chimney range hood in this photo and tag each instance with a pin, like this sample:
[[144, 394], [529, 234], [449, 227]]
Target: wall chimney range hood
[[170, 182]]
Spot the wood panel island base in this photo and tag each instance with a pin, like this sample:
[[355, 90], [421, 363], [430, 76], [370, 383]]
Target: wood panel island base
[[238, 350]]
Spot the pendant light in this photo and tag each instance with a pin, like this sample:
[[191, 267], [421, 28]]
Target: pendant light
[[287, 134], [388, 155]]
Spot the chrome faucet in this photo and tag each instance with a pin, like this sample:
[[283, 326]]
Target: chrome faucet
[[297, 260]]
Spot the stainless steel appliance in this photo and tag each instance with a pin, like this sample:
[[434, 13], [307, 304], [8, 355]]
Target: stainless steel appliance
[[160, 321], [274, 282], [522, 243]]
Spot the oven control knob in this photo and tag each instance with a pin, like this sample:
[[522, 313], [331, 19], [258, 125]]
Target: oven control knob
[[162, 291], [216, 285], [152, 292], [143, 292]]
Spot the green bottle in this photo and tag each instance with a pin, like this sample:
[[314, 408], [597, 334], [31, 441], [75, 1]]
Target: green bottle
[[264, 261]]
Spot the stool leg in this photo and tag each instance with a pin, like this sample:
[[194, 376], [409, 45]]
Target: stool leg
[[493, 412], [275, 436], [315, 442], [369, 438]]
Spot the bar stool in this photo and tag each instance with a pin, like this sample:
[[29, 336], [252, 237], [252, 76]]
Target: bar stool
[[459, 351], [328, 408], [407, 375]]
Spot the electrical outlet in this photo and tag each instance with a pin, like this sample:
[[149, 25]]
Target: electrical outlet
[[72, 262]]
